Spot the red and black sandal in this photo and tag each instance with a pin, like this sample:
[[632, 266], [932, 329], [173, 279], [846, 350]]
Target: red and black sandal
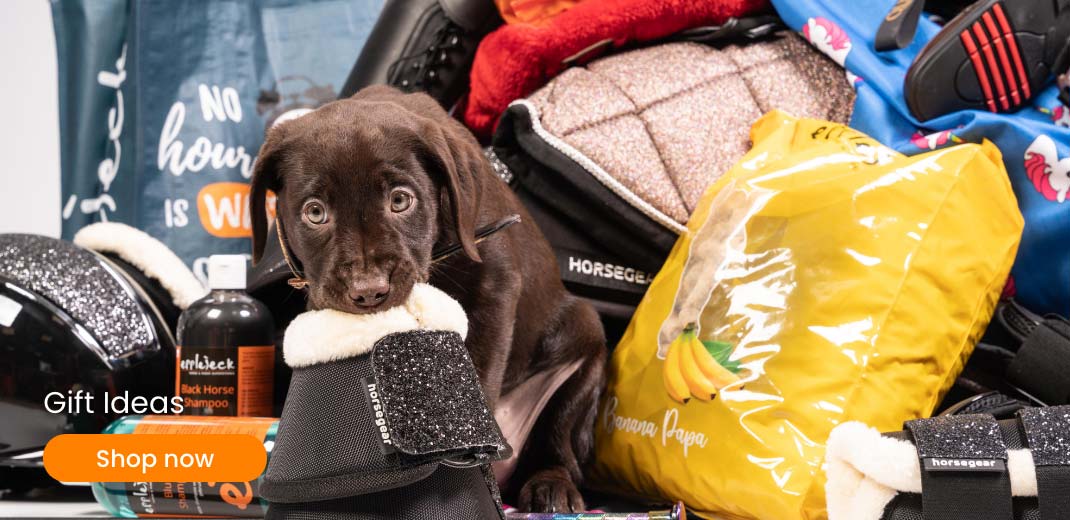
[[995, 55]]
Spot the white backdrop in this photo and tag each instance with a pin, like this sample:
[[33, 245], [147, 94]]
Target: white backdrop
[[29, 119]]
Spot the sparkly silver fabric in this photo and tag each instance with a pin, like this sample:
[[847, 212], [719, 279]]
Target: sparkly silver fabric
[[667, 121], [958, 436], [431, 394], [500, 169], [1047, 430], [76, 280], [329, 443]]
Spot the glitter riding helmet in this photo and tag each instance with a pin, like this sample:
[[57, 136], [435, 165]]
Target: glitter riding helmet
[[96, 315]]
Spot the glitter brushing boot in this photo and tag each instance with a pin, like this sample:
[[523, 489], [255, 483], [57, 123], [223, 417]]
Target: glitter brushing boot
[[385, 418], [963, 466]]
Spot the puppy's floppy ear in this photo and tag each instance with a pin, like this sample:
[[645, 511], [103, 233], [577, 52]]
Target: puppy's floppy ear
[[265, 177], [449, 148], [456, 154]]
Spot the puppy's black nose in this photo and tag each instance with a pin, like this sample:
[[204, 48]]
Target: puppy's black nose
[[369, 293]]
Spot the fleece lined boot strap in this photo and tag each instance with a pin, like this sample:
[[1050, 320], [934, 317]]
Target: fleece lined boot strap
[[1047, 433], [963, 468], [385, 418], [953, 467]]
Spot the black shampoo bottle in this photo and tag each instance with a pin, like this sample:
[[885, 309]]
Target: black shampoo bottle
[[226, 350]]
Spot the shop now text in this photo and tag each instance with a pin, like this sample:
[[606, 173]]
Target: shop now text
[[147, 461]]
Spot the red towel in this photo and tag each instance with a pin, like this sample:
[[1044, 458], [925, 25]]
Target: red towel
[[516, 59]]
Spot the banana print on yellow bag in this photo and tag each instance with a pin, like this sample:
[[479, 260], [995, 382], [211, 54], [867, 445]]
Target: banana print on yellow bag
[[824, 278]]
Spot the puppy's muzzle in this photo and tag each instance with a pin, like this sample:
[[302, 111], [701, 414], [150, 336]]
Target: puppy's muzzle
[[369, 291]]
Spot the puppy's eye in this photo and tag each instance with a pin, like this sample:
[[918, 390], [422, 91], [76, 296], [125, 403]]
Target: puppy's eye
[[400, 200], [315, 212]]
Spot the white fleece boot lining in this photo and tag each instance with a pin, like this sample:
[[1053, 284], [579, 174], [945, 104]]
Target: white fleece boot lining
[[147, 254], [329, 335], [866, 470]]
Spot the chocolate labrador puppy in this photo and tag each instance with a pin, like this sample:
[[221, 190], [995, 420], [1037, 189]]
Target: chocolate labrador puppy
[[367, 187]]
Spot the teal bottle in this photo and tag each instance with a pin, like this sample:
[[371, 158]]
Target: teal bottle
[[187, 499]]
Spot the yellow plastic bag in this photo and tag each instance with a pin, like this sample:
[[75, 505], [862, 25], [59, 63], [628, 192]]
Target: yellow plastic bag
[[825, 278]]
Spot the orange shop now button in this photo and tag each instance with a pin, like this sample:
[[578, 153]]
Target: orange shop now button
[[154, 458]]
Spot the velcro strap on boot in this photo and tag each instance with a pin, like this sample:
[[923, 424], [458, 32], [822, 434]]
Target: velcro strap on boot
[[963, 468], [1047, 431], [431, 402], [1043, 361]]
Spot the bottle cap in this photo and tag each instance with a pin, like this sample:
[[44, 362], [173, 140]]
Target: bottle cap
[[226, 272]]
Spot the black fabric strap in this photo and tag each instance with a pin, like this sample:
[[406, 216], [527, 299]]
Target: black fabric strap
[[732, 30], [1063, 81], [1017, 320], [1047, 432], [899, 25], [1043, 362], [963, 468], [1053, 491]]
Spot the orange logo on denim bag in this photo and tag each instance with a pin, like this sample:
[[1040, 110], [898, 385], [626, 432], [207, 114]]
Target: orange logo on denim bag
[[224, 209]]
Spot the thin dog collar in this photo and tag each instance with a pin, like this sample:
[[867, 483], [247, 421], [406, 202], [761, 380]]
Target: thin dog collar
[[298, 281], [441, 253]]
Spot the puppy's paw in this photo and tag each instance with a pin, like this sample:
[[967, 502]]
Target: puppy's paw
[[550, 491]]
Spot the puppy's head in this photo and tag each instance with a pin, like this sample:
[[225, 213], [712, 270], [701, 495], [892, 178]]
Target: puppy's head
[[366, 186]]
